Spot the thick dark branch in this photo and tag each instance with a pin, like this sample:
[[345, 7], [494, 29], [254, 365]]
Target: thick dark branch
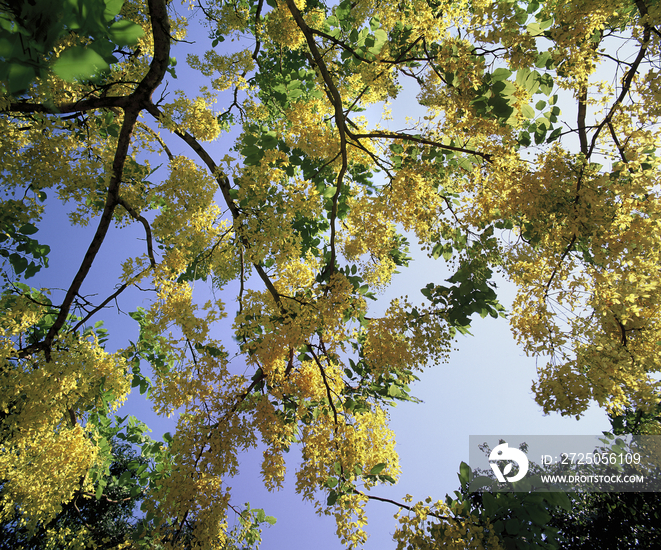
[[101, 230], [223, 181], [158, 67], [620, 149], [582, 113], [92, 104], [135, 103], [258, 17]]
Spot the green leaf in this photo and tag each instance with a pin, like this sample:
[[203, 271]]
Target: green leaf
[[540, 133], [504, 88], [464, 473], [19, 263], [377, 468], [124, 478], [534, 29], [543, 60], [522, 75], [559, 499], [99, 489], [125, 32], [543, 25], [28, 229], [528, 111], [20, 76], [294, 94], [381, 36], [113, 7], [546, 84], [78, 62], [500, 74], [490, 504], [502, 110], [512, 526], [538, 515], [31, 270], [524, 139], [554, 135]]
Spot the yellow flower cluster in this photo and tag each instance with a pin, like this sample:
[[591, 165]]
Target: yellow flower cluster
[[281, 27], [367, 237], [192, 116], [359, 446], [42, 404], [400, 340], [229, 68], [430, 525], [270, 333]]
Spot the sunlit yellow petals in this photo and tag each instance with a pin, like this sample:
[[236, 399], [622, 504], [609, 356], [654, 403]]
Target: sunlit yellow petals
[[435, 525]]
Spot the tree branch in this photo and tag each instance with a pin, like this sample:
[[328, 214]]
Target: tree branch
[[132, 107], [224, 185], [425, 141], [626, 84], [145, 224], [339, 122]]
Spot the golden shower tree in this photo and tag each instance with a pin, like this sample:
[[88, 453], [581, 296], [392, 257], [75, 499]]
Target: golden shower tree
[[307, 221]]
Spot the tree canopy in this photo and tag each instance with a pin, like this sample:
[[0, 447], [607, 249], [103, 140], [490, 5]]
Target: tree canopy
[[536, 157]]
